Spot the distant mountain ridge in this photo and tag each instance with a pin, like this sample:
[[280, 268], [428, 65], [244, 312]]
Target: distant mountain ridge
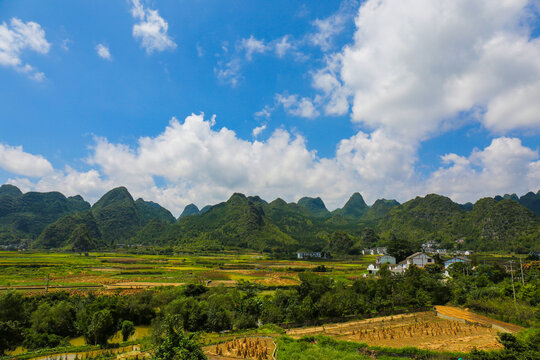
[[530, 200], [249, 222]]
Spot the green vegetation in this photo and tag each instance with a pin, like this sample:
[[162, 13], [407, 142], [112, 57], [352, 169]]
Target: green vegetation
[[49, 221], [24, 216], [326, 348]]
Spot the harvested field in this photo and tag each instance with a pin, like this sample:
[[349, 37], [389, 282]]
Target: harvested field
[[423, 330], [465, 315], [253, 348]]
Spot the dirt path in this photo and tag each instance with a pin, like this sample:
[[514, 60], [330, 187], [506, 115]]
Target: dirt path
[[450, 312]]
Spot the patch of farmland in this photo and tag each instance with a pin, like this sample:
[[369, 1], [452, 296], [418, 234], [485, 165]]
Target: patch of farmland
[[252, 348], [423, 330]]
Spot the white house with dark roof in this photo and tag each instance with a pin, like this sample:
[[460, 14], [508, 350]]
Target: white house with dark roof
[[419, 259]]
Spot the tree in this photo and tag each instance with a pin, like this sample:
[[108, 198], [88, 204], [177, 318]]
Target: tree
[[369, 237], [172, 344], [340, 242], [10, 335], [401, 248], [101, 328], [80, 239], [127, 329]]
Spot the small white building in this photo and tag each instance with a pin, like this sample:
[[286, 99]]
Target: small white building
[[418, 259]]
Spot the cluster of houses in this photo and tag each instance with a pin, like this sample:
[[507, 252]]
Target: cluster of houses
[[433, 247], [419, 259], [374, 251]]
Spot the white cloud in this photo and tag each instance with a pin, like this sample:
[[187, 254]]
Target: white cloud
[[265, 112], [103, 52], [328, 28], [197, 163], [415, 66], [296, 106], [151, 29], [15, 160], [505, 166], [258, 130], [17, 37], [65, 44], [282, 46], [229, 72], [252, 46]]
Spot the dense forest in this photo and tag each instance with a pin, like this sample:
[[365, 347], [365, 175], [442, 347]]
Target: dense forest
[[52, 221], [50, 320]]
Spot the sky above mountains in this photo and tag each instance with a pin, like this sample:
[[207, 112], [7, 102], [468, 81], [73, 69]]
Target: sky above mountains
[[190, 101]]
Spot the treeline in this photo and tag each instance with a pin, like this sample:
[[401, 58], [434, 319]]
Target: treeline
[[50, 320]]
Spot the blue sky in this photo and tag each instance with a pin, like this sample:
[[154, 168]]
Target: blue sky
[[396, 104]]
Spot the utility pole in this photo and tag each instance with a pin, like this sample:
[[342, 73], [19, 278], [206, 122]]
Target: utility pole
[[47, 287], [513, 287], [522, 278]]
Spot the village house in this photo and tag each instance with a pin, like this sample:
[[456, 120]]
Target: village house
[[418, 259], [454, 260], [386, 259]]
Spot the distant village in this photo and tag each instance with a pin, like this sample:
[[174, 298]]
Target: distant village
[[419, 259]]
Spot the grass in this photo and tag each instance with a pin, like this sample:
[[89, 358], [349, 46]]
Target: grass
[[325, 348]]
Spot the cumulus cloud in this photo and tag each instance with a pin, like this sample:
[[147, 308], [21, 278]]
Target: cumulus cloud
[[103, 52], [15, 160], [252, 46], [198, 163], [151, 29], [327, 29], [283, 46], [17, 37], [258, 130], [415, 66], [293, 105], [505, 166]]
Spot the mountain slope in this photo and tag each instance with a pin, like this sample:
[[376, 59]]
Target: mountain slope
[[149, 210], [503, 224], [314, 205], [238, 222], [24, 216], [425, 218], [355, 207], [190, 209]]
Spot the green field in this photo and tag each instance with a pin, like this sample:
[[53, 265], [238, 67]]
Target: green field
[[31, 269]]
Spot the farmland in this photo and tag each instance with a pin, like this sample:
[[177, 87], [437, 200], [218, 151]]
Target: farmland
[[251, 306], [110, 272], [423, 329]]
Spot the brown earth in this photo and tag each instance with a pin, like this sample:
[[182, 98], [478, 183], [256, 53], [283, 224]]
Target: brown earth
[[423, 330], [468, 316]]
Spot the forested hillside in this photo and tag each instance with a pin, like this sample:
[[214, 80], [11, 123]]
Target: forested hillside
[[505, 223], [24, 216]]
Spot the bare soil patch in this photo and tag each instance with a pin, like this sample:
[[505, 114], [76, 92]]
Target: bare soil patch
[[423, 330]]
